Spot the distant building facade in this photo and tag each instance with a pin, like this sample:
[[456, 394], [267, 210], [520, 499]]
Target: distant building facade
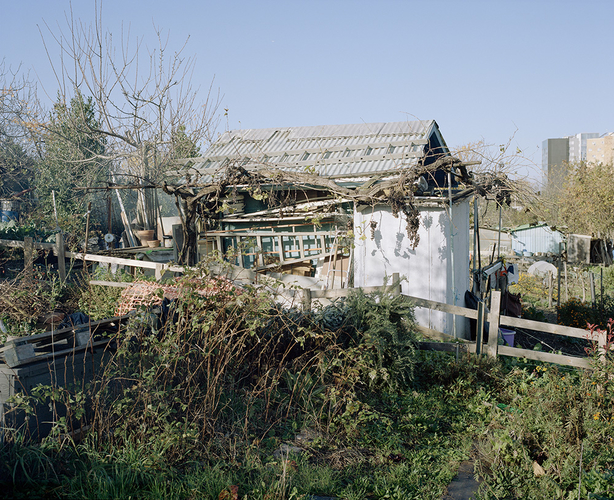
[[601, 150], [558, 153]]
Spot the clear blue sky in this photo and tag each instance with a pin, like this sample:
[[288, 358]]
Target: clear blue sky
[[481, 69]]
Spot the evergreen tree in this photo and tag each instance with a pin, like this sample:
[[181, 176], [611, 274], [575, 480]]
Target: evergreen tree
[[73, 157], [16, 167]]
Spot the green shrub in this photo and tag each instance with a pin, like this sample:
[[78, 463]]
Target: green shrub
[[11, 230], [580, 314], [100, 301], [380, 338]]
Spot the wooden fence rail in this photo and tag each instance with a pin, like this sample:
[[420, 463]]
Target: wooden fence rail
[[494, 320]]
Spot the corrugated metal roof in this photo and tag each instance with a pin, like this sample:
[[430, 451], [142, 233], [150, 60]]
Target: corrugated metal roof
[[332, 150]]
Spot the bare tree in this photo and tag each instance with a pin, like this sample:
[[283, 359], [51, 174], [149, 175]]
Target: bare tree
[[144, 96], [19, 129], [499, 167]]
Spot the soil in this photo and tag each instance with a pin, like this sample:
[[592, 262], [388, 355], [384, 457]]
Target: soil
[[528, 339]]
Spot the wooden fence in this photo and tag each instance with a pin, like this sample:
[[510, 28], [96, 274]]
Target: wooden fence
[[493, 319], [29, 245]]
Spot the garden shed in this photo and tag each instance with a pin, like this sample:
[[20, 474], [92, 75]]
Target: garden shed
[[319, 226], [538, 238]]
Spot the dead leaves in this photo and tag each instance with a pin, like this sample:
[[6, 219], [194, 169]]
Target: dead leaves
[[231, 493]]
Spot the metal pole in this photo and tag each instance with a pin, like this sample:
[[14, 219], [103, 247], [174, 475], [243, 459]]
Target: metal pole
[[87, 233], [558, 285], [452, 252], [499, 236], [475, 232]]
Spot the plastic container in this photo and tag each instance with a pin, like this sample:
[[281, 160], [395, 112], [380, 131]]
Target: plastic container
[[9, 210], [508, 336]]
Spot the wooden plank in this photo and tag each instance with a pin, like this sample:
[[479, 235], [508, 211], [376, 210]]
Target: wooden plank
[[61, 254], [20, 244], [479, 338], [437, 335], [493, 337], [28, 256], [112, 260], [280, 240], [239, 248], [566, 331], [244, 234], [341, 292], [548, 357], [117, 284], [440, 306], [292, 261], [306, 299], [301, 246], [260, 252]]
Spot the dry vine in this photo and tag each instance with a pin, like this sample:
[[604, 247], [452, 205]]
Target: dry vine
[[205, 200]]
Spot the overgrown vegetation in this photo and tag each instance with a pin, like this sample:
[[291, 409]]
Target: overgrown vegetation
[[550, 430], [230, 392]]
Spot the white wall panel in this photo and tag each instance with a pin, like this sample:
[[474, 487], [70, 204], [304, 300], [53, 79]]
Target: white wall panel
[[428, 268]]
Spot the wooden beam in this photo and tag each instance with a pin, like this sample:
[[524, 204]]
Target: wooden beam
[[559, 359], [20, 244], [493, 318], [60, 250], [111, 260], [117, 284], [306, 299], [538, 326], [260, 251], [28, 257], [292, 261], [479, 338], [440, 306], [246, 233]]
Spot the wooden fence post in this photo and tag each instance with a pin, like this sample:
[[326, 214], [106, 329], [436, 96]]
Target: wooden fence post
[[61, 253], [480, 328], [493, 326], [306, 300], [28, 256], [396, 284], [158, 271]]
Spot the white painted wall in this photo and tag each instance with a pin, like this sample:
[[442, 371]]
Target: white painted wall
[[428, 268]]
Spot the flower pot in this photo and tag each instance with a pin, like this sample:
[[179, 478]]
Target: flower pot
[[145, 235], [153, 243]]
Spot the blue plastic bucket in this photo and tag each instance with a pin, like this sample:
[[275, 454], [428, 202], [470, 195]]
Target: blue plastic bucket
[[508, 336], [9, 210]]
